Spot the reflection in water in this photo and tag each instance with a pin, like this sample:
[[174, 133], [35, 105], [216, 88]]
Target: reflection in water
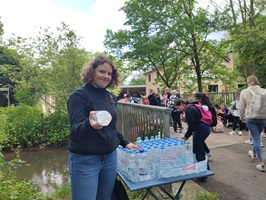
[[48, 167]]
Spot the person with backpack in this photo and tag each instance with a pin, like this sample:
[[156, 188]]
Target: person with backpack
[[200, 130], [252, 112], [204, 101]]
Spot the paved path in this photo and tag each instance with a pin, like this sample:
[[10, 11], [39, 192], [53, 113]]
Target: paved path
[[236, 176]]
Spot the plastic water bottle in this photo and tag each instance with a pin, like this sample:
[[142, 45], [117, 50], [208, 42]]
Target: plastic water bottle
[[142, 165], [182, 154], [155, 157], [164, 168], [124, 161], [132, 170], [176, 155], [170, 155], [146, 139], [102, 117], [189, 154]]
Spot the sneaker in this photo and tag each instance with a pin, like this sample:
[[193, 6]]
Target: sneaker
[[262, 145], [232, 133], [180, 130], [251, 154], [240, 133], [209, 154], [260, 167], [247, 141]]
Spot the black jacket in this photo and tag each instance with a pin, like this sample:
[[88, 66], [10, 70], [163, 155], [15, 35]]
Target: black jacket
[[84, 139], [193, 118]]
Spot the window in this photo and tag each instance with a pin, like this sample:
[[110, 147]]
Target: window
[[213, 88], [149, 77]]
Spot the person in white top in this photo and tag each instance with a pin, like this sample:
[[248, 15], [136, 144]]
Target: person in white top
[[255, 125], [236, 116]]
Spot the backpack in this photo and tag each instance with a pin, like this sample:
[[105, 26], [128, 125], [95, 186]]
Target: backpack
[[258, 104], [219, 128], [171, 101], [206, 114]]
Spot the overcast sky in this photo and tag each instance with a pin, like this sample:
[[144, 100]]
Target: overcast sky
[[89, 18]]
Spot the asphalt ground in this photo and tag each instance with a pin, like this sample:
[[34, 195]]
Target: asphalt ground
[[236, 176]]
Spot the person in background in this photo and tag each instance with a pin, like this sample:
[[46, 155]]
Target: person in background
[[126, 97], [175, 113], [133, 99], [178, 92], [152, 98], [223, 113], [166, 95], [158, 97], [255, 126], [236, 118], [92, 157], [144, 99], [200, 130]]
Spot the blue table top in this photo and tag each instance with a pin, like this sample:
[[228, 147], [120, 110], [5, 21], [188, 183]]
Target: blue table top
[[162, 181]]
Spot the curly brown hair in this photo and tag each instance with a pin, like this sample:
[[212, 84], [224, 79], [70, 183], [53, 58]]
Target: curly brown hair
[[88, 71]]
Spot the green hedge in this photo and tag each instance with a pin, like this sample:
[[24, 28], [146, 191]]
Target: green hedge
[[26, 127]]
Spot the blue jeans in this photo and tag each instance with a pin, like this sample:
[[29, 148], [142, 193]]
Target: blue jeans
[[92, 177], [255, 127], [202, 131]]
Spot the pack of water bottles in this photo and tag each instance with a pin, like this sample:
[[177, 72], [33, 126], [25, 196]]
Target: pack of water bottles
[[158, 158]]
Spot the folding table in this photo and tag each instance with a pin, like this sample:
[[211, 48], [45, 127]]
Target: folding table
[[159, 182]]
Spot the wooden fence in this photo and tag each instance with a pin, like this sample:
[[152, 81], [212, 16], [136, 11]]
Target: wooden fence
[[138, 120]]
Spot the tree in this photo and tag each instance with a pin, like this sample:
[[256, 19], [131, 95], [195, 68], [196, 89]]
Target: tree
[[10, 66], [51, 63], [137, 79], [247, 30], [170, 37]]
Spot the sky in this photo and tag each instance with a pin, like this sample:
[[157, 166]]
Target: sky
[[88, 18]]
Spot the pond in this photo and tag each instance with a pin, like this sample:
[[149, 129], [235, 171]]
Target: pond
[[48, 167]]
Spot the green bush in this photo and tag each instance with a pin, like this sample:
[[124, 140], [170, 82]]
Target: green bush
[[20, 126], [26, 127], [56, 129]]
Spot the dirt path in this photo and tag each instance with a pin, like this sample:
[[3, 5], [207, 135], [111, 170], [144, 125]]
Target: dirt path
[[235, 174]]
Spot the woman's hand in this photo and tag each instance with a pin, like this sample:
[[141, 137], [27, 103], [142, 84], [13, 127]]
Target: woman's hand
[[132, 146], [185, 139], [182, 117], [93, 123]]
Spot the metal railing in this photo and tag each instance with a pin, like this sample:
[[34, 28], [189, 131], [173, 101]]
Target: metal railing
[[138, 120]]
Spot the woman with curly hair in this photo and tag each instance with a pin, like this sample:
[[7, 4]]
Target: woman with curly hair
[[92, 147]]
